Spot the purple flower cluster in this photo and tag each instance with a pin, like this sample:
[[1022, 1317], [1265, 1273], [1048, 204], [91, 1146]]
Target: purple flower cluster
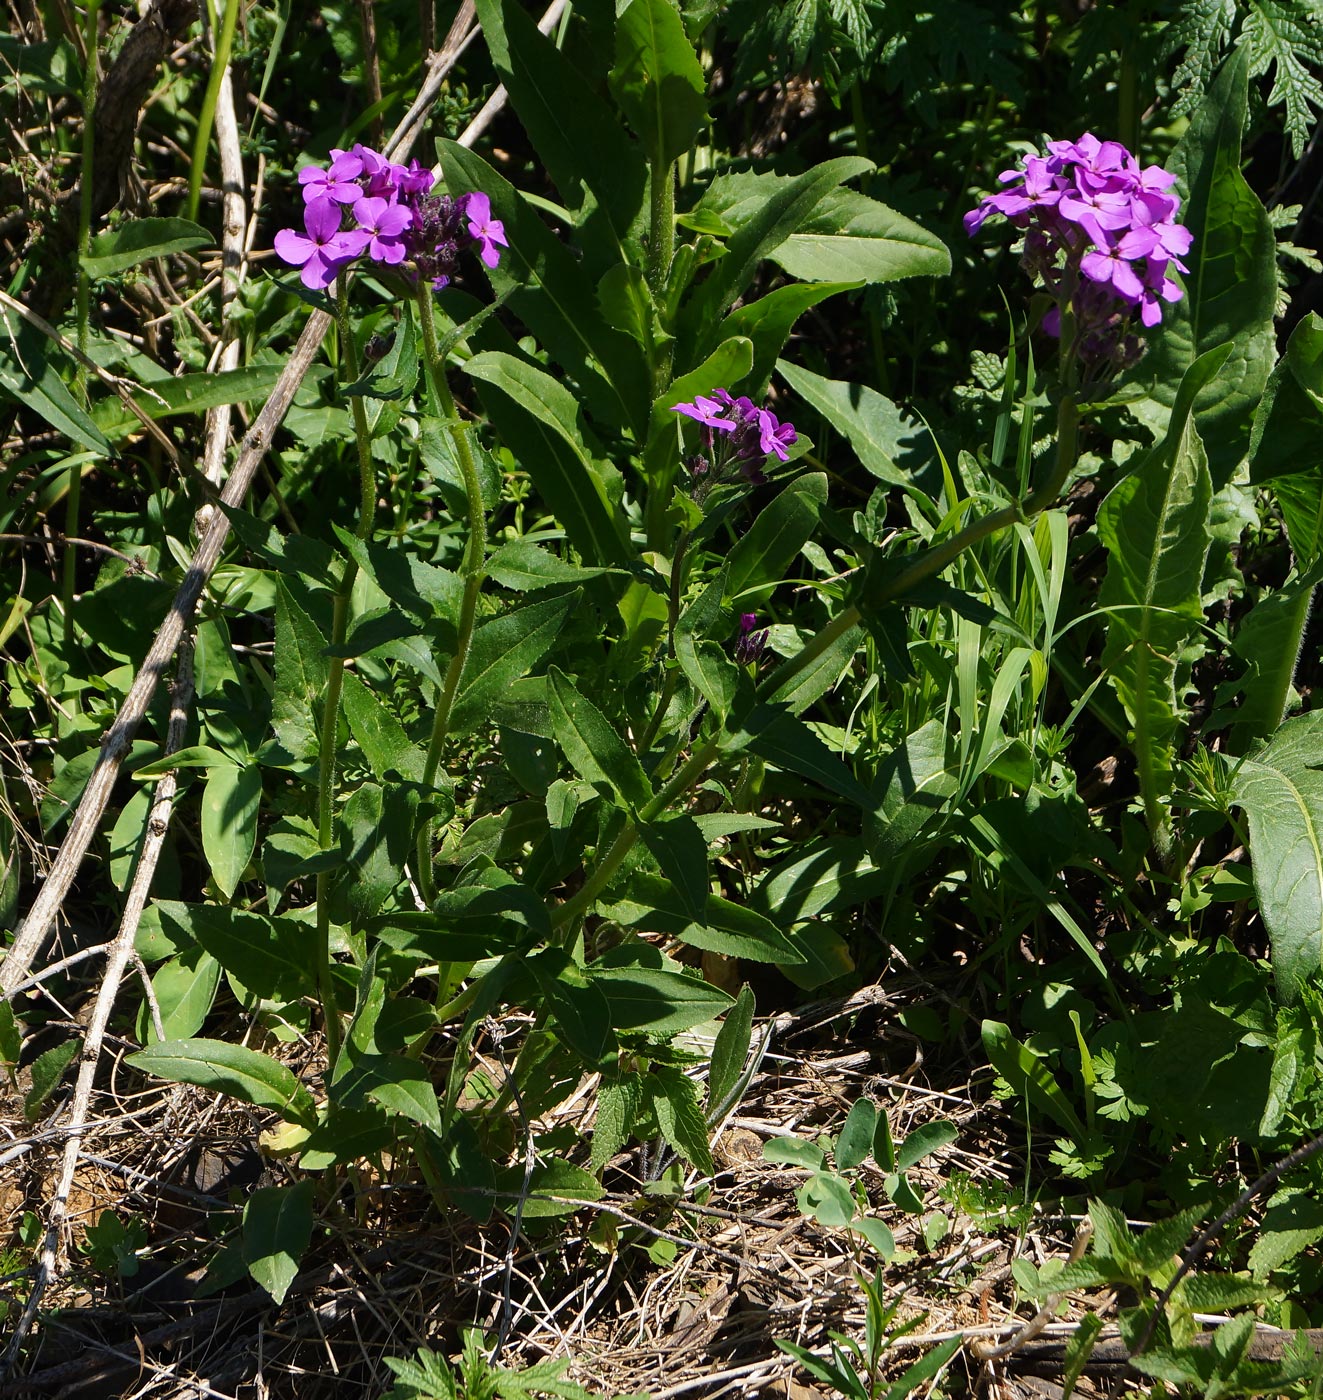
[[1101, 234], [735, 433], [363, 203]]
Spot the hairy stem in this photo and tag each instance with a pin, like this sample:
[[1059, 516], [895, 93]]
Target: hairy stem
[[473, 572], [336, 670], [661, 226]]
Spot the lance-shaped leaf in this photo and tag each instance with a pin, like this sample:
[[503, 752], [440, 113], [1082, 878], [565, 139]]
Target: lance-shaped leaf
[[537, 416], [300, 676], [1155, 526], [564, 117], [657, 81], [1281, 790], [1231, 291], [598, 754], [272, 957], [759, 559], [140, 241], [277, 1229], [850, 235]]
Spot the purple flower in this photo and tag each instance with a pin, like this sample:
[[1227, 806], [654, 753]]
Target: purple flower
[[1157, 288], [325, 249], [488, 231], [774, 436], [339, 182], [705, 411], [383, 223]]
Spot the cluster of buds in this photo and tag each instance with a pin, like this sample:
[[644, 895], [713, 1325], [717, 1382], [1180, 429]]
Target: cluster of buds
[[1102, 238], [738, 437], [750, 642], [363, 203]]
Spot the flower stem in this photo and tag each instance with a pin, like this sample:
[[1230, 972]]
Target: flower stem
[[473, 570], [931, 562], [367, 508]]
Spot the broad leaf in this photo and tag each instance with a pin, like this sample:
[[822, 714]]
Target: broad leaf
[[244, 1074], [657, 81], [759, 559], [272, 957], [598, 754], [230, 803], [139, 241], [850, 236], [300, 676], [277, 1229], [1281, 790]]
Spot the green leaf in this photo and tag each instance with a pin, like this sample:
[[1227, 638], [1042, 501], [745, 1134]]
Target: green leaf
[[856, 1139], [730, 1050], [537, 417], [678, 846], [376, 840], [784, 210], [915, 782], [564, 117], [246, 1075], [196, 393], [647, 992], [185, 988], [679, 1118], [850, 236], [822, 877], [231, 800], [140, 241], [554, 295], [892, 446], [1231, 291], [395, 1082], [524, 566], [1078, 1350], [1155, 525], [1281, 790], [272, 957], [502, 651], [300, 676], [387, 748], [551, 1179], [828, 1199], [582, 1012], [28, 378], [277, 1229], [1028, 1076], [597, 753], [878, 1235], [618, 1102], [657, 81], [767, 322], [924, 1141], [794, 1152], [47, 1071], [800, 690], [760, 557], [792, 746], [724, 927]]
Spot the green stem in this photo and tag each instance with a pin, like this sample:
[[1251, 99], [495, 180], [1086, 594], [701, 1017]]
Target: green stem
[[931, 562], [83, 301], [207, 116], [335, 672], [661, 227], [473, 570], [672, 621]]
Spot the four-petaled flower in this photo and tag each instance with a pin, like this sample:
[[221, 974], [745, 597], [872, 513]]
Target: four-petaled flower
[[383, 223], [339, 182], [707, 412], [325, 249], [489, 232]]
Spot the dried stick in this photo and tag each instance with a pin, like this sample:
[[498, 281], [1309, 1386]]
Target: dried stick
[[121, 955], [114, 745], [462, 33], [233, 219]]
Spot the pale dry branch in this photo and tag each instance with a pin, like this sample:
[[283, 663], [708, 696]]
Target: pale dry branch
[[117, 962]]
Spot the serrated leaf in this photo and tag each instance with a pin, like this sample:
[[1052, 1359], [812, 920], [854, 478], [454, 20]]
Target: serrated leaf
[[657, 81], [598, 754], [618, 1101], [648, 993], [300, 676], [679, 1118], [387, 748], [272, 957]]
